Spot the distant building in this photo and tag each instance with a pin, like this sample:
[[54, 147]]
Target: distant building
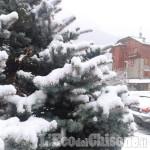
[[132, 55]]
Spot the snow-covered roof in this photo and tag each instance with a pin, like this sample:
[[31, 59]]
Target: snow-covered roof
[[138, 81], [141, 40], [118, 44], [146, 69]]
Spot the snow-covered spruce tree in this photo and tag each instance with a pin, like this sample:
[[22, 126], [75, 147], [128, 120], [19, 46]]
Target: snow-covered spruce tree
[[51, 82]]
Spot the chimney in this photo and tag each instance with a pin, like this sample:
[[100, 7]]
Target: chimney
[[140, 35], [144, 39]]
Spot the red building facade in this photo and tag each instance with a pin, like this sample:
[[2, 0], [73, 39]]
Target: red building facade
[[130, 48]]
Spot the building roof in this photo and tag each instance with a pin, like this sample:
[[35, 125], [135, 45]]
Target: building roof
[[140, 40]]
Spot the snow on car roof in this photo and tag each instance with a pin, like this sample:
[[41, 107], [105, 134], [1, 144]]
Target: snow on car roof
[[144, 98]]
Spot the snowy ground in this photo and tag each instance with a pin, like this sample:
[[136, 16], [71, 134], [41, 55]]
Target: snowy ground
[[140, 93], [140, 141]]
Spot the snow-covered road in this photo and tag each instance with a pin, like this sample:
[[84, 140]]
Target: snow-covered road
[[140, 141]]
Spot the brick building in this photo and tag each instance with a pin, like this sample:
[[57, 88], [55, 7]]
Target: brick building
[[132, 55]]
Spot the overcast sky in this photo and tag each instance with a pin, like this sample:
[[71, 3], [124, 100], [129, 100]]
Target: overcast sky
[[117, 17]]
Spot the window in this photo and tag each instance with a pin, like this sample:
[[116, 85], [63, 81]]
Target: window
[[146, 74], [146, 61], [126, 64], [134, 51], [149, 61], [149, 74]]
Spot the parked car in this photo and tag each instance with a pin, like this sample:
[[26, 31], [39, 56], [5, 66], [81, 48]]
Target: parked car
[[141, 112]]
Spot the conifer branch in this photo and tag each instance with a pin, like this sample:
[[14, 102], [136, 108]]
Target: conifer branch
[[68, 22], [85, 31]]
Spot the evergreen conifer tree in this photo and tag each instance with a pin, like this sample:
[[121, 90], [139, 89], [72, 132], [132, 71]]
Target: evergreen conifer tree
[[52, 83]]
